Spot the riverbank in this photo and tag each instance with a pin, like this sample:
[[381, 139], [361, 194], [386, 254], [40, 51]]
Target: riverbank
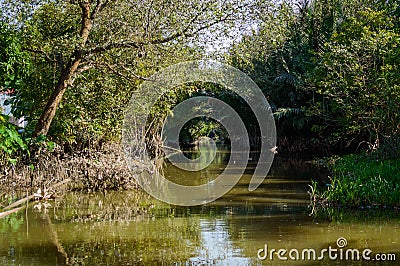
[[359, 181], [89, 170], [354, 181]]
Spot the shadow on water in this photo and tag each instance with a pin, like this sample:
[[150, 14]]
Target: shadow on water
[[130, 227]]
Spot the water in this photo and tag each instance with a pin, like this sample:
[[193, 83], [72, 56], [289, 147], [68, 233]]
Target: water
[[131, 228]]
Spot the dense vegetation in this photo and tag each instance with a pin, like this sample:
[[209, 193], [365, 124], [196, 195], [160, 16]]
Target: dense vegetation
[[361, 181], [329, 68]]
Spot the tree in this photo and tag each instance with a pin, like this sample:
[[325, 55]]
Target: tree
[[277, 57], [358, 75], [328, 67], [78, 36]]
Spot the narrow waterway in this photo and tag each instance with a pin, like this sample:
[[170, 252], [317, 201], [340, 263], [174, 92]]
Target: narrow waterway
[[131, 228]]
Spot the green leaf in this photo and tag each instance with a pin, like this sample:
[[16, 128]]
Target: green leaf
[[12, 161], [50, 146], [41, 138]]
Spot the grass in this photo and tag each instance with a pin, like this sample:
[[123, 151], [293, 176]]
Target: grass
[[359, 180]]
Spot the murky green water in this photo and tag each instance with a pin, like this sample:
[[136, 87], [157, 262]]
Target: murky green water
[[131, 228]]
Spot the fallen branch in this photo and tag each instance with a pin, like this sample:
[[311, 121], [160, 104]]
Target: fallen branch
[[30, 197], [19, 202], [6, 213]]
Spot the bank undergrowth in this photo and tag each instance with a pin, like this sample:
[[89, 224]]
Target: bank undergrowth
[[360, 181], [90, 170]]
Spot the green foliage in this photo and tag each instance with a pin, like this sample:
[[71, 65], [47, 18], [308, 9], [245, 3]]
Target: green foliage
[[41, 143], [212, 128], [291, 115], [336, 61], [200, 127], [363, 181], [14, 67], [14, 62], [278, 59], [358, 75], [91, 111], [329, 68], [10, 140]]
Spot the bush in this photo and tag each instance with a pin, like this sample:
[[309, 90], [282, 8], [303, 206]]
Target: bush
[[10, 140]]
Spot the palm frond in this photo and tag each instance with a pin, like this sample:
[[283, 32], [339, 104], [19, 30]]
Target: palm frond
[[285, 78], [287, 112]]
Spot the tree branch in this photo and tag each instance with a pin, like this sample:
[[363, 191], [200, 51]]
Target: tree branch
[[80, 71], [133, 74], [97, 9], [184, 33], [112, 68], [110, 46], [46, 55], [86, 23]]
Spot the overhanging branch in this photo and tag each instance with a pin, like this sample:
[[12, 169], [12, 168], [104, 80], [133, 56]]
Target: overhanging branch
[[113, 69], [186, 32], [115, 45], [43, 53]]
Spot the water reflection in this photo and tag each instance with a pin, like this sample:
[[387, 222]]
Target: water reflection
[[129, 227], [217, 246]]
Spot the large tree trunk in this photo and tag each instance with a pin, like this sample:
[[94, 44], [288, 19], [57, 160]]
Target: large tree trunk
[[43, 125]]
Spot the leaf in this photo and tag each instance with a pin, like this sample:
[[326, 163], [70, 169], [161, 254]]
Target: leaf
[[41, 138], [12, 161], [50, 146]]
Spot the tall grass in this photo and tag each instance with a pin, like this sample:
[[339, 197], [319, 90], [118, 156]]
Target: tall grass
[[360, 180]]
